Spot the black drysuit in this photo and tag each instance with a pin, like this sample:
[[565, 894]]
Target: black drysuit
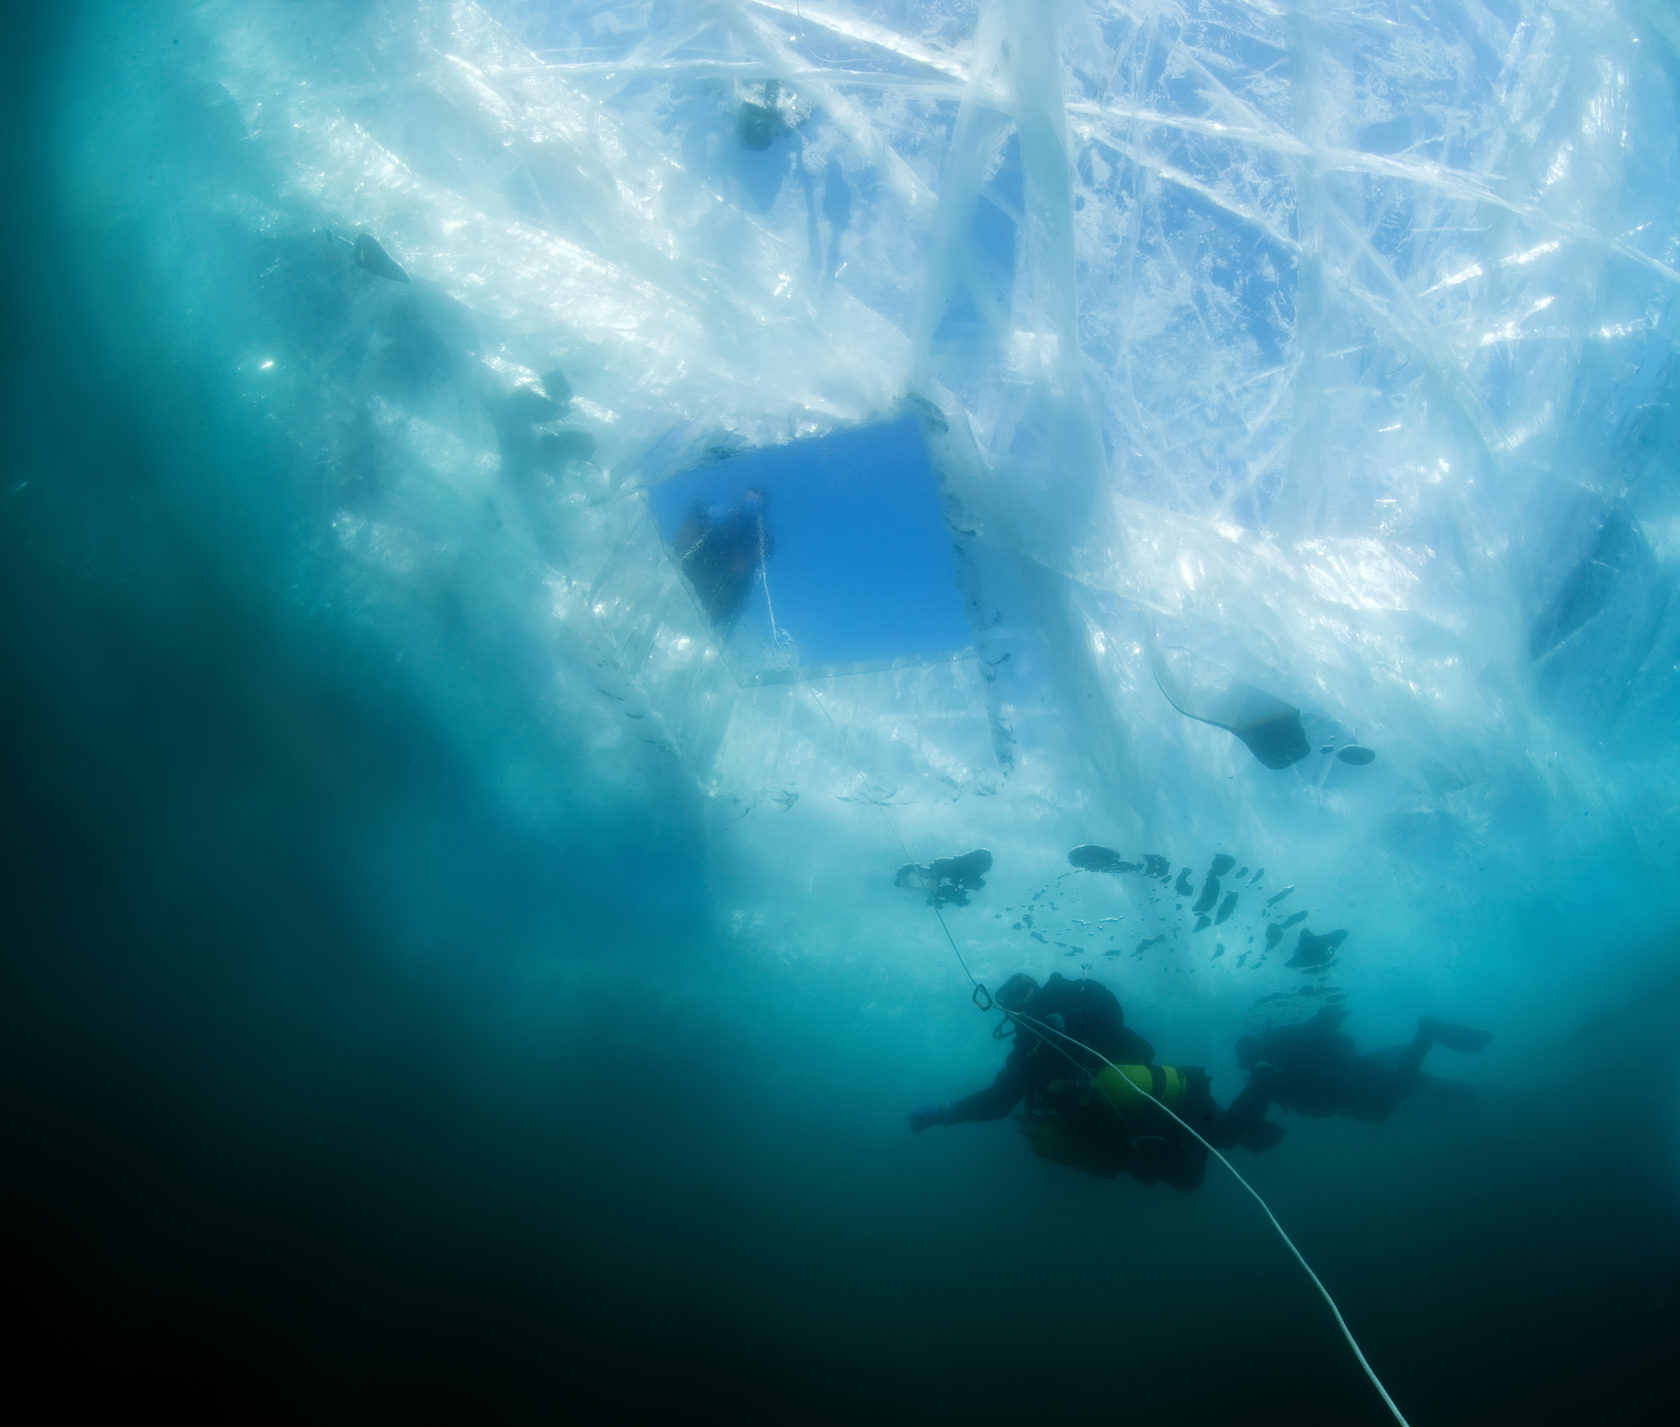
[[1313, 1068], [1089, 1013]]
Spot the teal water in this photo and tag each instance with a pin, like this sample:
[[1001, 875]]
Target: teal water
[[396, 1027]]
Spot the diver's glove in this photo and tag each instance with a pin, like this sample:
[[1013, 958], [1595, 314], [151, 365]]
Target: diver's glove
[[924, 1115]]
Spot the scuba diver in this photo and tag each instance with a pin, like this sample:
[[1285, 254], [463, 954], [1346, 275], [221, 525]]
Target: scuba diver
[[721, 552], [1315, 1069], [1090, 1110]]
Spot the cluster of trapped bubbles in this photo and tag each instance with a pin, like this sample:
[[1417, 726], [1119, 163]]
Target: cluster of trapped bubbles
[[1227, 907]]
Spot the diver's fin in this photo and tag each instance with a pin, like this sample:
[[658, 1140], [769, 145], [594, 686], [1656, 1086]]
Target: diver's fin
[[1460, 1037]]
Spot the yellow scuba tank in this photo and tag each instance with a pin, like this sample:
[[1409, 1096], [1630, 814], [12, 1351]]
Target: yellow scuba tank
[[1085, 1135], [1125, 1085]]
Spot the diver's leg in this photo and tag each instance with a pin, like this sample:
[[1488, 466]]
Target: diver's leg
[[1188, 1164], [1256, 1098], [1375, 1083], [1261, 1135], [1247, 1126], [1203, 1113], [1454, 1090], [1220, 1130], [1244, 1122], [1459, 1038], [1407, 1060]]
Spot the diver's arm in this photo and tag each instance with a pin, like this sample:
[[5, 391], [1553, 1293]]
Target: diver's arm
[[995, 1101], [992, 1103]]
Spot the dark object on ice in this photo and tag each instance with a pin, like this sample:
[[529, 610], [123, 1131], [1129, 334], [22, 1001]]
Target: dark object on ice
[[1210, 895], [1202, 924], [1277, 897], [528, 448], [721, 551], [1223, 863], [525, 403], [1313, 950], [758, 126], [837, 209], [1259, 872], [1273, 732], [1314, 1069], [375, 259], [1075, 1063], [1356, 754], [836, 201], [555, 449], [1199, 689], [1183, 886], [1154, 865], [1094, 857], [1618, 556], [948, 879], [1291, 921], [557, 388], [1148, 942], [1274, 934], [1226, 907], [1218, 950]]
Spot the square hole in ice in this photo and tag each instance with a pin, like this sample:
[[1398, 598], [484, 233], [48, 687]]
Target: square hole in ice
[[825, 555]]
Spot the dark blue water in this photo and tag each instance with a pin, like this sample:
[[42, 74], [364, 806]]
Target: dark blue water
[[334, 1089]]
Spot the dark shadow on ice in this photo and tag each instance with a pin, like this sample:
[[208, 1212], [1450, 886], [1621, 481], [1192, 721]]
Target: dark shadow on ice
[[837, 209], [371, 257], [376, 260], [1199, 689], [1618, 553], [947, 879], [767, 121], [527, 435], [1094, 857], [720, 550], [1209, 896], [763, 117], [1314, 950]]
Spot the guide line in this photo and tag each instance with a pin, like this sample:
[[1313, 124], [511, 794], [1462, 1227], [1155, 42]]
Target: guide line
[[1053, 1037]]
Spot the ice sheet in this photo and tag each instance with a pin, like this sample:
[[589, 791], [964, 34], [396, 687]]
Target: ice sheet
[[1330, 348], [438, 977]]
